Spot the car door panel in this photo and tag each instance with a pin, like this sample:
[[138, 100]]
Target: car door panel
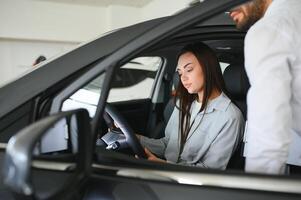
[[130, 189], [15, 120], [4, 193]]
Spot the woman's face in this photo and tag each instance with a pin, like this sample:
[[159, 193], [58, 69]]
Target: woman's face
[[191, 73]]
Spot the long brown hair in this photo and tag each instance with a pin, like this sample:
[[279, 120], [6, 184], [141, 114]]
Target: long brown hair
[[213, 80]]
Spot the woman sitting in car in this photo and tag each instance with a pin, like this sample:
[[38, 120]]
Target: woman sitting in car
[[205, 126]]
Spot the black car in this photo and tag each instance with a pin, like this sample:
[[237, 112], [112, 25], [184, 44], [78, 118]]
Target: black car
[[57, 132]]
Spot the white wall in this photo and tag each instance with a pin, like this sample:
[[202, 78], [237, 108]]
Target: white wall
[[43, 20], [159, 8], [120, 16], [23, 19], [30, 28], [19, 55]]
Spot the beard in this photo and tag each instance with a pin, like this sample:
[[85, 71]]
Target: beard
[[255, 11]]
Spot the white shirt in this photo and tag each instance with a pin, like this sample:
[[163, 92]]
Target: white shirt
[[194, 110], [273, 65]]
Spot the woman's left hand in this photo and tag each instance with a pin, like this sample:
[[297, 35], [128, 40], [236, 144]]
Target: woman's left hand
[[152, 157]]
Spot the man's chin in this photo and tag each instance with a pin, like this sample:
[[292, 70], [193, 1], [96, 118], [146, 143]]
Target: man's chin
[[243, 27], [246, 24]]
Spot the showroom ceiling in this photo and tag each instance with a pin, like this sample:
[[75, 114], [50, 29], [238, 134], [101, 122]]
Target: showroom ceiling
[[136, 3]]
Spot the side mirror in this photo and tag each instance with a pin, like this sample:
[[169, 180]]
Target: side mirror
[[23, 147]]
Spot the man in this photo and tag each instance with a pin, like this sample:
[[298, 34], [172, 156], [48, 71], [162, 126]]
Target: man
[[273, 65]]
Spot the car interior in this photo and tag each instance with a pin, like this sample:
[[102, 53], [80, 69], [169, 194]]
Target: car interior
[[230, 55], [148, 113], [229, 50]]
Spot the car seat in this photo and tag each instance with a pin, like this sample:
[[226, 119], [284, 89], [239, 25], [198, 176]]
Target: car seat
[[237, 85], [159, 130]]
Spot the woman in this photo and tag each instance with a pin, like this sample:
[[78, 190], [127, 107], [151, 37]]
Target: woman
[[205, 126]]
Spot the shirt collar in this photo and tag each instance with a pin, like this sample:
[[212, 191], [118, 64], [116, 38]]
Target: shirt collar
[[219, 103]]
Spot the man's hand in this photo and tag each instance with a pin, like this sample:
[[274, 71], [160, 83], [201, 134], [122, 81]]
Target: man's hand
[[152, 157]]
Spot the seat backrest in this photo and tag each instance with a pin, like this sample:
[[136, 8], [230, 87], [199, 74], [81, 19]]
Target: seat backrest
[[159, 129], [237, 85]]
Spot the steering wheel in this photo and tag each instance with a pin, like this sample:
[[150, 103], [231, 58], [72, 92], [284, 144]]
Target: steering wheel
[[126, 129]]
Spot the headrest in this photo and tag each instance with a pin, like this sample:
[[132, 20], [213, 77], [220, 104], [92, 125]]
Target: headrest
[[236, 81], [175, 79]]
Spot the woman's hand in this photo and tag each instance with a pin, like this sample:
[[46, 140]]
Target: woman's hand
[[152, 157]]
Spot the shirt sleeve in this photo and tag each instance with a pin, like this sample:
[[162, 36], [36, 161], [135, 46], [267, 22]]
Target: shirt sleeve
[[223, 146], [268, 57], [156, 146]]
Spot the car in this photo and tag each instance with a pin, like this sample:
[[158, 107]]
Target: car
[[57, 123]]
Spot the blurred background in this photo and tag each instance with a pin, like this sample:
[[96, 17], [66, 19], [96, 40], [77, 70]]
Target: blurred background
[[31, 28]]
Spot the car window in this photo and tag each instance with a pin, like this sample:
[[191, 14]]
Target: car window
[[132, 81], [86, 97], [135, 79]]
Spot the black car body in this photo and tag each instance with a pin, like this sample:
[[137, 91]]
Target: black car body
[[89, 172]]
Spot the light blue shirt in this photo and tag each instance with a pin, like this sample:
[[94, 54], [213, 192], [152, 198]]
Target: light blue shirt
[[210, 143]]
